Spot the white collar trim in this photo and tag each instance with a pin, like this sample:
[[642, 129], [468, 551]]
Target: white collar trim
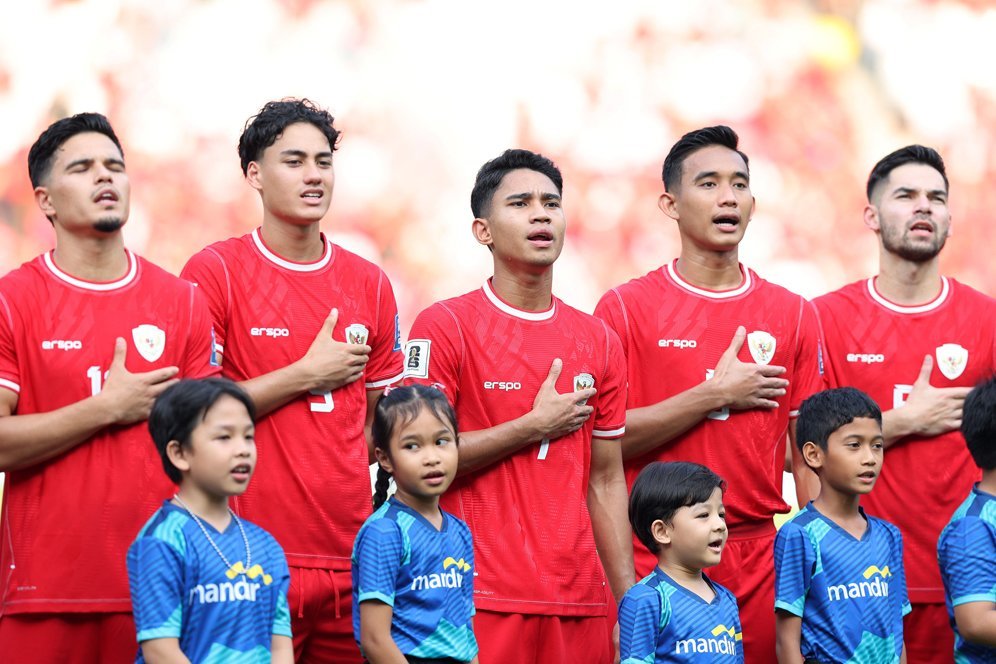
[[914, 309], [518, 313], [94, 285], [291, 265], [715, 295]]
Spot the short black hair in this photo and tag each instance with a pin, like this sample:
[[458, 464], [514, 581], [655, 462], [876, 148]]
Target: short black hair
[[692, 142], [264, 128], [825, 412], [978, 424], [403, 404], [911, 154], [491, 174], [662, 488], [42, 153], [181, 407]]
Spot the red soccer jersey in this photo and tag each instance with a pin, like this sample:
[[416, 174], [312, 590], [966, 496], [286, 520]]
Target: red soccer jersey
[[878, 346], [311, 489], [533, 541], [673, 334], [67, 522]]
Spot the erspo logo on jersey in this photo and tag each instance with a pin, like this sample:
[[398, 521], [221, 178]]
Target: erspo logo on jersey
[[876, 587], [452, 576], [677, 343], [269, 332], [62, 344], [866, 358], [503, 385], [723, 641]]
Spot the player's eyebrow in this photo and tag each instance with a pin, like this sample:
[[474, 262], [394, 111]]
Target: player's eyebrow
[[545, 196], [715, 174], [86, 161], [930, 192], [301, 153]]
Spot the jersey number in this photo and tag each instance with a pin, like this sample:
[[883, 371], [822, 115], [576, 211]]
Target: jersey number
[[724, 412], [900, 394], [97, 378], [326, 405], [544, 448]]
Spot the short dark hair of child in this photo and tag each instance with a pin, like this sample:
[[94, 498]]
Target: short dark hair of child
[[181, 407], [978, 424], [662, 488], [825, 412]]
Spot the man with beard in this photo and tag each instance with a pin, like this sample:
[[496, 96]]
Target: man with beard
[[916, 342], [90, 334]]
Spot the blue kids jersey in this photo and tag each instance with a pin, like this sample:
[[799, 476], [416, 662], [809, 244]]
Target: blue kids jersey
[[426, 575], [967, 553], [180, 588], [850, 593], [661, 621]]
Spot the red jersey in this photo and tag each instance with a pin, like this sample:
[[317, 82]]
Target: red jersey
[[67, 522], [311, 488], [878, 346], [533, 540], [673, 334]]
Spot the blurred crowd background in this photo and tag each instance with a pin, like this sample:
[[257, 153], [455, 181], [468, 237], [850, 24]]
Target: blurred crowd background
[[426, 91]]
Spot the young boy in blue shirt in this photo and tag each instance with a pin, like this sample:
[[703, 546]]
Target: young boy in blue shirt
[[840, 588], [676, 614], [207, 586], [966, 549]]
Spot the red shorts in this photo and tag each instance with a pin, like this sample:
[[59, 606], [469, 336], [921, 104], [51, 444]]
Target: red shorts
[[68, 638], [531, 639], [928, 635], [321, 608], [748, 571]]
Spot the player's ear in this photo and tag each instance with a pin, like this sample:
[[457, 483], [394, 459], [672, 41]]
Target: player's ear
[[252, 176], [812, 454], [660, 531], [481, 228], [177, 455], [871, 218], [383, 460], [668, 205], [44, 201]]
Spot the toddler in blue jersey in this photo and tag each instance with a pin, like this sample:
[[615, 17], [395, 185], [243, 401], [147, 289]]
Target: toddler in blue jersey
[[840, 588], [967, 547], [677, 614], [207, 586], [413, 564]]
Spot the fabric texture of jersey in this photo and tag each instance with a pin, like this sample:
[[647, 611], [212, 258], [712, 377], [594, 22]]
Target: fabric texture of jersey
[[181, 589], [533, 537], [673, 335], [425, 574], [967, 555], [878, 347], [850, 593], [661, 621], [312, 451], [67, 522]]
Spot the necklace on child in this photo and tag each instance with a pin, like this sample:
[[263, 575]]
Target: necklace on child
[[231, 571]]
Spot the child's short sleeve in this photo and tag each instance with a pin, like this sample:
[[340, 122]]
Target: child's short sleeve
[[281, 617], [468, 554], [899, 576], [379, 556], [155, 578], [640, 624], [967, 551], [795, 565]]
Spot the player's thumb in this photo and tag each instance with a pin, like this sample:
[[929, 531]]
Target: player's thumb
[[925, 369], [120, 352], [736, 343], [330, 322], [555, 369]]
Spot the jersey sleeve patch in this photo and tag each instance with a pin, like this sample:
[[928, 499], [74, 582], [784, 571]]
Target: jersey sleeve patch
[[417, 358]]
